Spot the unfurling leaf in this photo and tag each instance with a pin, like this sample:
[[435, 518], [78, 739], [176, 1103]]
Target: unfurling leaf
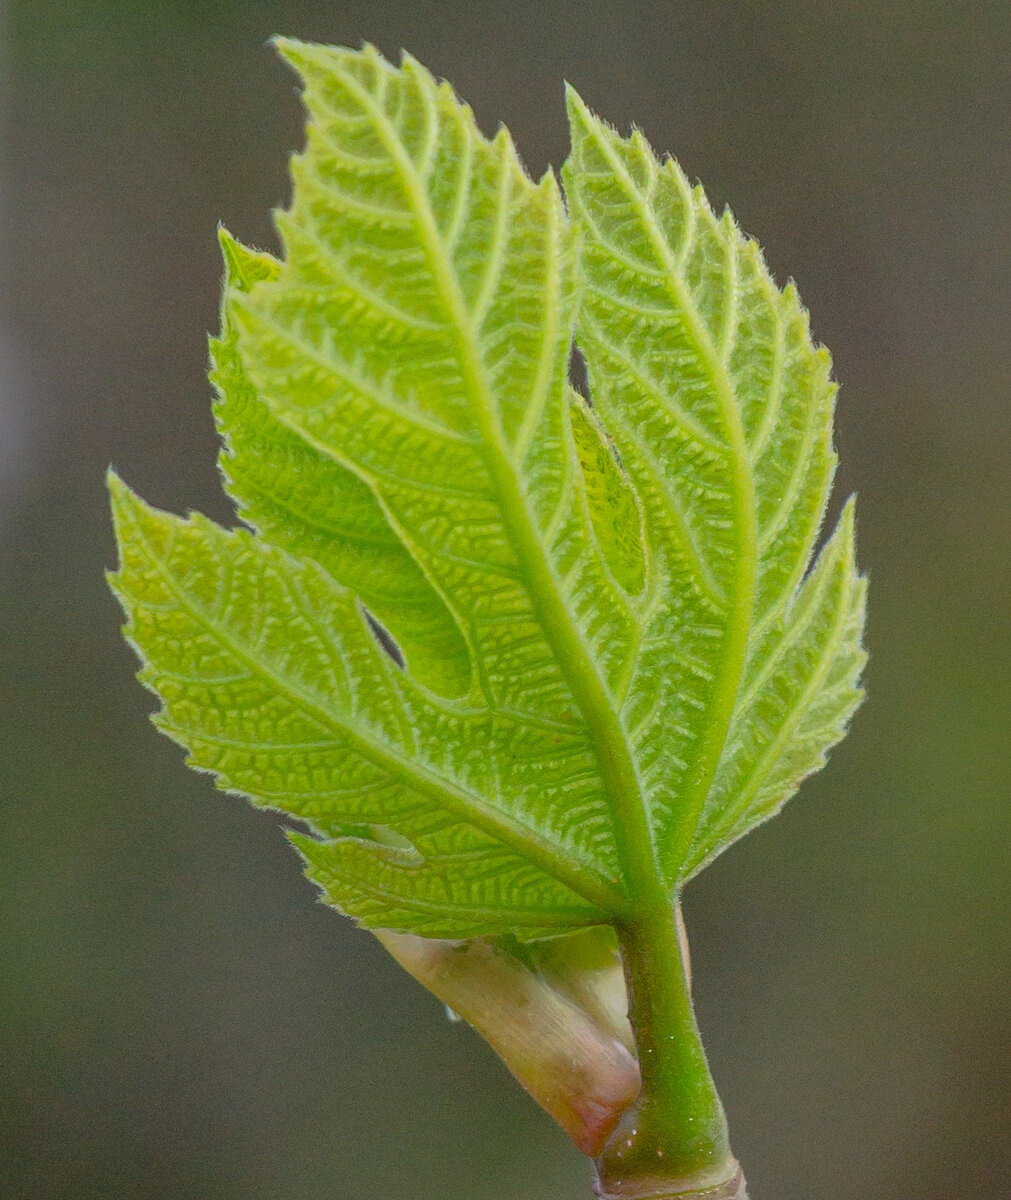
[[522, 662]]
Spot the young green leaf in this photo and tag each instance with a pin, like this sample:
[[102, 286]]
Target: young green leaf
[[643, 674], [611, 655]]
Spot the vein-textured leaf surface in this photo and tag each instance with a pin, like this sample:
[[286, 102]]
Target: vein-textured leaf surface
[[269, 674], [306, 502], [614, 656], [721, 407]]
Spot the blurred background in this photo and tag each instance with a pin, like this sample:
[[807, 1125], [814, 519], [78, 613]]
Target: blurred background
[[178, 1019]]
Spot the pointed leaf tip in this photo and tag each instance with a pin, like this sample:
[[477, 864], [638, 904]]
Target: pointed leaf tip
[[289, 49], [121, 495]]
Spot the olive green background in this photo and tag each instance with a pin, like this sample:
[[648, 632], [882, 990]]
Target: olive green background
[[178, 1019]]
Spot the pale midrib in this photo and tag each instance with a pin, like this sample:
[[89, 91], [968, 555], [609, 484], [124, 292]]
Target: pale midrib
[[586, 883], [735, 645], [633, 835]]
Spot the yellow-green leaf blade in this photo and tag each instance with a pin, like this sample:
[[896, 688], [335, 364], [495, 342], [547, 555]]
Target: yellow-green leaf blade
[[796, 700], [307, 503], [720, 405], [270, 676]]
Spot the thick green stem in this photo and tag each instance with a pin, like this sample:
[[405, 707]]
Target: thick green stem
[[673, 1141]]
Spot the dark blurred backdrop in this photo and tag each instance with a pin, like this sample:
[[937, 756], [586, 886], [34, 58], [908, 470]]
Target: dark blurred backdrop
[[178, 1019]]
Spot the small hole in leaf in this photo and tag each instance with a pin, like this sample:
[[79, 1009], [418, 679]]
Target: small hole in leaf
[[386, 640], [578, 377]]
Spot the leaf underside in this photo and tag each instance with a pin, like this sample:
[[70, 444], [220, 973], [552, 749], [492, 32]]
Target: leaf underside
[[614, 654]]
